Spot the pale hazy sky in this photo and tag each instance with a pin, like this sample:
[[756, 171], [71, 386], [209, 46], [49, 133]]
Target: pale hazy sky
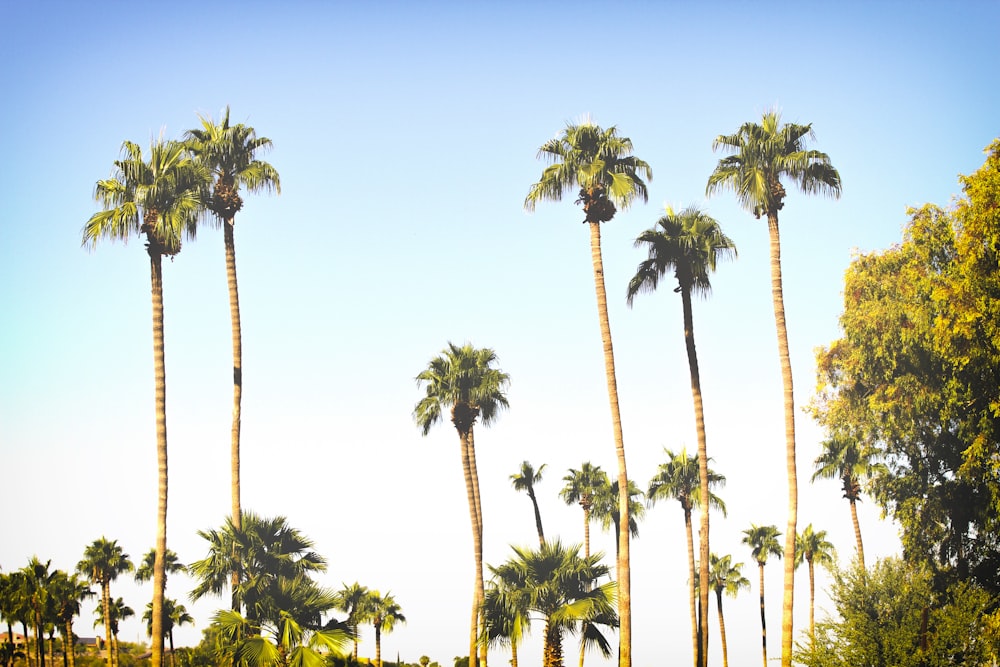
[[406, 139]]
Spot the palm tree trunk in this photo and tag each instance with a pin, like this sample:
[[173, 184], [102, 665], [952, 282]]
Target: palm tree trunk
[[699, 418], [586, 531], [722, 629], [812, 602], [691, 593], [763, 621], [378, 646], [538, 517], [623, 566], [552, 653], [788, 597], [173, 663], [480, 591], [159, 371], [27, 648], [477, 547], [69, 651], [857, 533], [106, 604], [513, 654], [234, 455]]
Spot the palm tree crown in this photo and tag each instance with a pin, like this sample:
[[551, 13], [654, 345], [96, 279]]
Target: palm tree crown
[[525, 480], [462, 378]]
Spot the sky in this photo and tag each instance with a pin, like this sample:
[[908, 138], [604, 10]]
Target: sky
[[406, 140]]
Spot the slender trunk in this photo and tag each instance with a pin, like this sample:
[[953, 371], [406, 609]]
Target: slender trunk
[[857, 533], [52, 648], [586, 530], [691, 592], [39, 637], [159, 371], [763, 621], [106, 605], [27, 648], [812, 602], [170, 635], [69, 650], [552, 655], [722, 628], [355, 628], [234, 455], [538, 517], [114, 644], [788, 597], [699, 419], [378, 646], [624, 572], [476, 547], [513, 654], [480, 590]]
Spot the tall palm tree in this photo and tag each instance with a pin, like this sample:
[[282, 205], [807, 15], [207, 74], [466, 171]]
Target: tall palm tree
[[103, 560], [36, 579], [689, 244], [384, 613], [726, 577], [174, 615], [464, 381], [813, 548], [763, 543], [680, 479], [562, 588], [525, 481], [847, 460], [171, 565], [600, 163], [266, 552], [230, 153], [353, 600], [762, 155], [67, 592], [110, 617], [581, 487], [159, 198]]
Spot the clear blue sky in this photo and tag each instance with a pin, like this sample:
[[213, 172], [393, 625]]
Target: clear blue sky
[[406, 138]]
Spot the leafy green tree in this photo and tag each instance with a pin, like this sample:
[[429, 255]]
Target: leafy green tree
[[600, 163], [230, 153], [763, 543], [103, 560], [465, 381], [353, 600], [761, 157], [562, 588], [689, 243], [525, 480], [506, 617], [891, 616], [159, 198], [680, 479], [849, 461], [383, 613], [582, 487], [813, 548], [726, 577], [111, 617]]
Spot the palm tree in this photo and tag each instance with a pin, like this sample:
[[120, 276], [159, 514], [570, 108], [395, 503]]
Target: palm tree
[[847, 460], [761, 157], [554, 582], [465, 381], [689, 243], [600, 163], [16, 608], [265, 552], [103, 560], [174, 615], [763, 542], [161, 199], [67, 592], [814, 548], [384, 613], [353, 600], [680, 479], [171, 565], [581, 487], [525, 481], [36, 579], [726, 577], [605, 507], [110, 617], [505, 616], [230, 153]]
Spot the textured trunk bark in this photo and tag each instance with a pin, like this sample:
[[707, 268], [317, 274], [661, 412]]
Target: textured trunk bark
[[378, 646], [480, 585], [552, 652], [538, 518], [857, 533], [691, 590], [722, 629], [624, 572], [586, 531], [106, 606], [812, 602], [699, 419], [763, 621], [234, 452], [69, 650], [159, 371], [788, 597], [477, 549]]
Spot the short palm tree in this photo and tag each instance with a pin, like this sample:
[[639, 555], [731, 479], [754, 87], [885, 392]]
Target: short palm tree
[[813, 548], [36, 579], [159, 198], [581, 488], [505, 616], [464, 381], [525, 480], [763, 543], [851, 462], [353, 600], [563, 589], [174, 615], [230, 153], [600, 163], [726, 577], [761, 156], [680, 479], [688, 243], [383, 613], [67, 592], [117, 611], [171, 565], [103, 560], [605, 508]]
